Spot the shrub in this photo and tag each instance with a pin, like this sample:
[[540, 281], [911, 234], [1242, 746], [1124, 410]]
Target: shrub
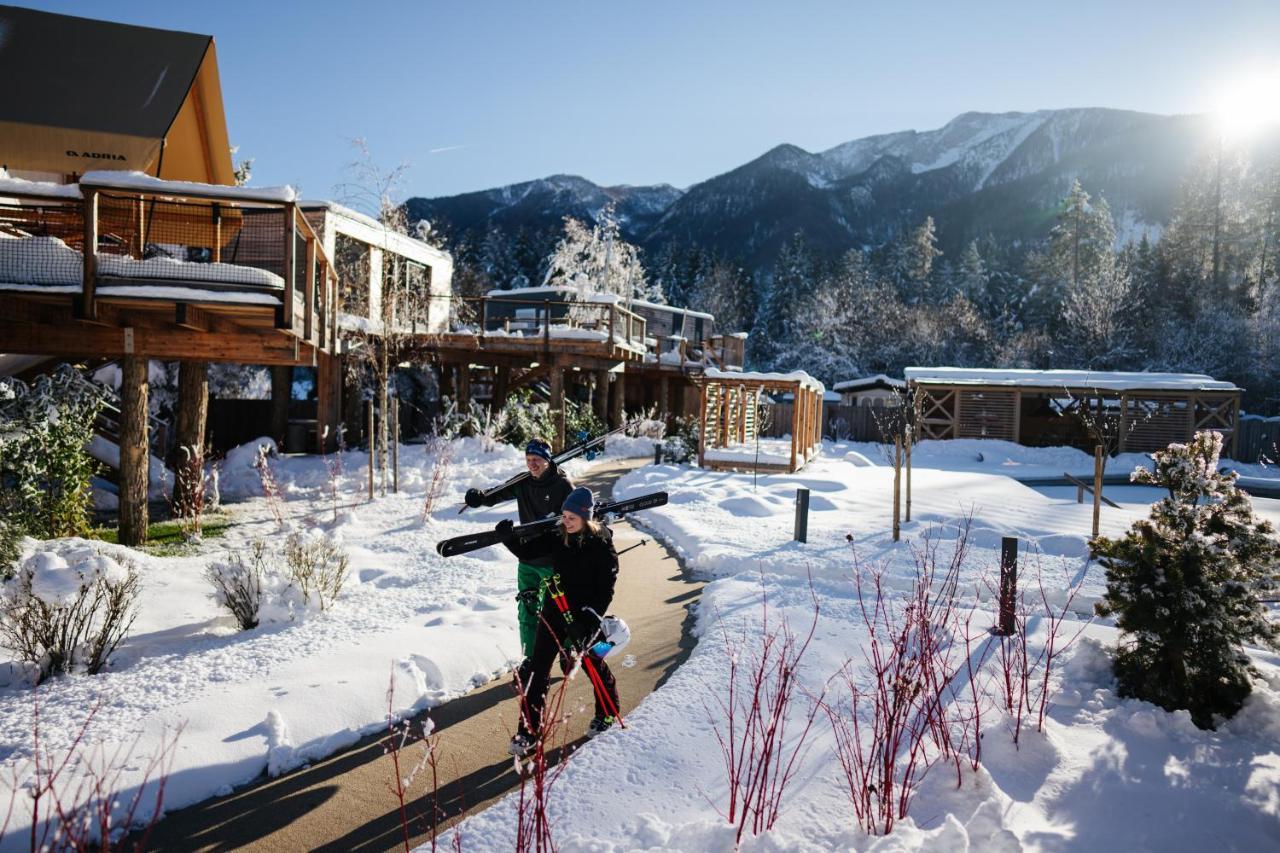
[[69, 609], [317, 568], [10, 548], [237, 584], [681, 445], [308, 574], [1183, 585], [45, 471]]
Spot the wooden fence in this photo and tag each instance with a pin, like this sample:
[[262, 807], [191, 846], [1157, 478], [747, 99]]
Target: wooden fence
[[1257, 437], [846, 423]]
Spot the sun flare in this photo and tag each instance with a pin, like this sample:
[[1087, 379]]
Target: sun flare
[[1249, 105]]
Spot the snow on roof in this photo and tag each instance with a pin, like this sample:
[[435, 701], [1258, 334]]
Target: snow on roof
[[140, 181], [592, 296], [805, 380], [44, 189], [1100, 380], [866, 382], [341, 209]]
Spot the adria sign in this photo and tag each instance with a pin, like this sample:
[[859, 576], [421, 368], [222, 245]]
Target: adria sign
[[96, 155]]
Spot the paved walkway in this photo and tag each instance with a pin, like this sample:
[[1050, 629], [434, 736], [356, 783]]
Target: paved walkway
[[344, 802]]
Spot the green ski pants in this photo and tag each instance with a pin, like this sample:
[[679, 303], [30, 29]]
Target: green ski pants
[[530, 578]]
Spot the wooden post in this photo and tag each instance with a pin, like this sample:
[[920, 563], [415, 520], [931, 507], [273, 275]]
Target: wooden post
[[546, 328], [447, 387], [135, 458], [910, 442], [602, 395], [897, 486], [89, 307], [557, 406], [290, 262], [501, 380], [395, 445], [216, 213], [795, 425], [193, 412], [281, 392], [618, 401], [702, 424], [309, 294], [664, 397], [742, 413], [372, 443], [1006, 624], [1097, 487], [464, 387]]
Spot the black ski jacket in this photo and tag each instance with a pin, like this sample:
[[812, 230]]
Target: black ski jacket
[[536, 499], [587, 567]]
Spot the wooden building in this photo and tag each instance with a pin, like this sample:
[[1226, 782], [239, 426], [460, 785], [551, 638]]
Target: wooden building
[[730, 436], [1033, 407], [877, 390]]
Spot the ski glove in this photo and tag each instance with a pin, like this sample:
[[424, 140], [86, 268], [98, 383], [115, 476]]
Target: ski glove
[[505, 527], [474, 498]]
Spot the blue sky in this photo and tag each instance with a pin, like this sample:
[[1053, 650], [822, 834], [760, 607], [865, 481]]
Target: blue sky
[[479, 94]]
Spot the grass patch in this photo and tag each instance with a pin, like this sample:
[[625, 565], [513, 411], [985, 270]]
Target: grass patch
[[164, 538]]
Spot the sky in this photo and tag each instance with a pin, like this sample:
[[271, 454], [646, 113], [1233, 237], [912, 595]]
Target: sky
[[472, 95]]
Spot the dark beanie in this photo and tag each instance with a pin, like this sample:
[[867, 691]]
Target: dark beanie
[[579, 502], [539, 448]]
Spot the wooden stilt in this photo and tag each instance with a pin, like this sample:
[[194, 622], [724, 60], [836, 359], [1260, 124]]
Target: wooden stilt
[[134, 454], [281, 391], [193, 412], [557, 406]]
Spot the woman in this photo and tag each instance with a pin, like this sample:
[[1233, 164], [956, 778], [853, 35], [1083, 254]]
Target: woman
[[584, 567]]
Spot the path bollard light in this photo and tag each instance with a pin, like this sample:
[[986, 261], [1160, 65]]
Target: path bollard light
[[802, 515], [1008, 586]]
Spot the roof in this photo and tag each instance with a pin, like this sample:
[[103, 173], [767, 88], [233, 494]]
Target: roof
[[591, 296], [735, 376], [82, 94], [1092, 379], [867, 383]]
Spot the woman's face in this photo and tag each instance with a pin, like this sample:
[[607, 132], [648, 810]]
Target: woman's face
[[573, 523], [536, 464]]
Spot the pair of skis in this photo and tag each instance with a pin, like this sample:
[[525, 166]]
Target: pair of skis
[[560, 458], [484, 538]]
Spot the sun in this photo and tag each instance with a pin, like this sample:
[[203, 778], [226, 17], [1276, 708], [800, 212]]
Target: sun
[[1249, 105]]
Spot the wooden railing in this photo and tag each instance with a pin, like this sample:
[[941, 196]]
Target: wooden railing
[[220, 241], [543, 318]]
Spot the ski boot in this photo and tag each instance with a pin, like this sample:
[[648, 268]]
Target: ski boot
[[521, 745], [599, 725]]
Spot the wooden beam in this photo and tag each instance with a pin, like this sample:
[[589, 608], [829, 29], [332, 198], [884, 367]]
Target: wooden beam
[[309, 294], [290, 263], [557, 407], [87, 308], [90, 341], [281, 392], [501, 381], [702, 425], [190, 317], [602, 395], [795, 425], [193, 411], [618, 401], [134, 454]]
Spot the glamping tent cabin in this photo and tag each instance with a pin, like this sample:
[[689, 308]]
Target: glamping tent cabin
[[1034, 407], [878, 390]]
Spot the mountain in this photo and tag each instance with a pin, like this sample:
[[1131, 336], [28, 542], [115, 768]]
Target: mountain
[[996, 174]]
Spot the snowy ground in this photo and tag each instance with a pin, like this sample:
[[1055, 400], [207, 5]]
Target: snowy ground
[[280, 696], [1107, 773]]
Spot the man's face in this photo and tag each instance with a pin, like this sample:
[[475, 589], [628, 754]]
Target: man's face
[[536, 464]]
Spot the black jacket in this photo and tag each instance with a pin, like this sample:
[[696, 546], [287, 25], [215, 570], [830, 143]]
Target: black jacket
[[587, 567], [536, 499]]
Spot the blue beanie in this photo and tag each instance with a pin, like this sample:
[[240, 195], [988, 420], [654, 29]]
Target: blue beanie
[[579, 502], [537, 447]]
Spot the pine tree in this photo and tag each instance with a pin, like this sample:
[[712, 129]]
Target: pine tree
[[773, 334], [1183, 585], [1080, 255], [912, 264]]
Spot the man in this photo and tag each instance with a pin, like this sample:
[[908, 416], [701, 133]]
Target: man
[[538, 496]]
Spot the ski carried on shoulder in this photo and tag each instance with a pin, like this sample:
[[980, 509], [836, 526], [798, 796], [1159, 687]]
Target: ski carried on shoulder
[[560, 458], [602, 509]]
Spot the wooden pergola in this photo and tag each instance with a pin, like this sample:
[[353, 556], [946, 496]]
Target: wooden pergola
[[729, 426], [1026, 406]]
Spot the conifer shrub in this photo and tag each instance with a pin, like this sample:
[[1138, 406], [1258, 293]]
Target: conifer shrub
[[45, 471], [1184, 586]]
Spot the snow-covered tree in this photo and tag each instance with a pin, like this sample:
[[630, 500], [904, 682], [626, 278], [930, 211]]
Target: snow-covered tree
[[912, 263], [595, 258], [773, 334], [1080, 255], [1184, 585]]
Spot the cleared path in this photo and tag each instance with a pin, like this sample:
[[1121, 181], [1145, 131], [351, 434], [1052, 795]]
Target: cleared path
[[345, 803]]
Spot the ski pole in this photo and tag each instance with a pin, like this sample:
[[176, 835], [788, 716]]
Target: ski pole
[[633, 547]]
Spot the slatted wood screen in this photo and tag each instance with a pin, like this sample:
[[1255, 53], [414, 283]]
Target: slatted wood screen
[[937, 412], [1161, 421], [987, 414]]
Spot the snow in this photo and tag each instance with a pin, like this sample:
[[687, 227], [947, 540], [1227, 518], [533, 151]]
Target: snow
[[869, 381], [108, 453], [147, 183], [1101, 380], [44, 189], [805, 380], [1093, 780], [286, 694], [772, 451]]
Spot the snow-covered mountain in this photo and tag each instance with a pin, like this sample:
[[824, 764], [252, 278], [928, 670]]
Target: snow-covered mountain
[[997, 174]]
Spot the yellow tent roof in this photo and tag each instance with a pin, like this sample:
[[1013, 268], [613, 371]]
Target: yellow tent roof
[[81, 95]]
